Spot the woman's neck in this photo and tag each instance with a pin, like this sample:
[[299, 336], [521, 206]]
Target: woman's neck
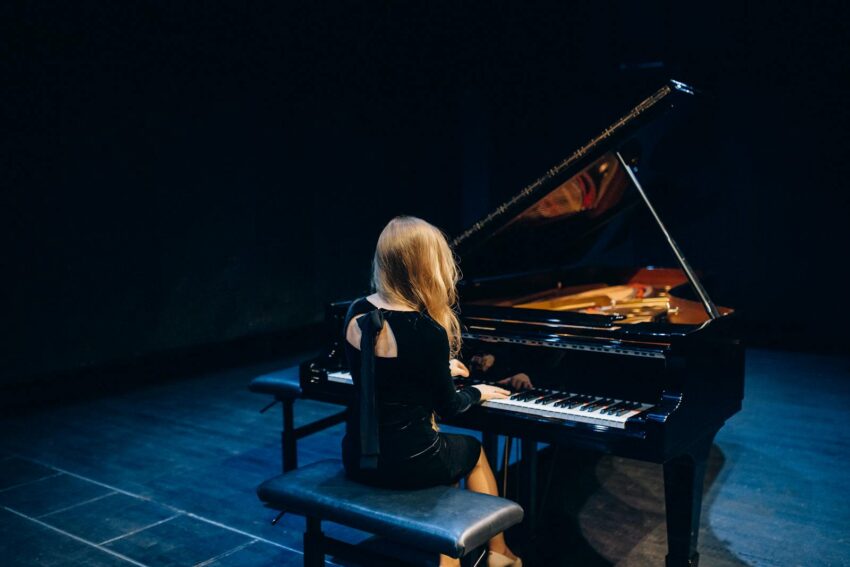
[[379, 301]]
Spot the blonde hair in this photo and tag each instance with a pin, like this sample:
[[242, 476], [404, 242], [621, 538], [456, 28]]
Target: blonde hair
[[415, 267]]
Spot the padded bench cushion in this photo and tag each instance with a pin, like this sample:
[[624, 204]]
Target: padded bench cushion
[[441, 519], [282, 384]]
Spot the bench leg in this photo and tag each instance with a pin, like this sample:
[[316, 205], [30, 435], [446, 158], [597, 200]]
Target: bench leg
[[288, 440], [314, 544]]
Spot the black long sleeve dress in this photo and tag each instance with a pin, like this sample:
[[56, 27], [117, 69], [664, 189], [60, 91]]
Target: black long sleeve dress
[[408, 389]]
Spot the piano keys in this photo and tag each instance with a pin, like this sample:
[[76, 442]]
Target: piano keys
[[569, 406], [551, 404], [628, 358]]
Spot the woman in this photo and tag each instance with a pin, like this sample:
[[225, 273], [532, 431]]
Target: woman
[[401, 344]]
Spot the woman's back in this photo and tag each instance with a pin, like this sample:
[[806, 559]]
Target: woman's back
[[409, 388]]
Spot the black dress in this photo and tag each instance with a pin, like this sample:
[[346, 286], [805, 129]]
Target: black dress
[[408, 389]]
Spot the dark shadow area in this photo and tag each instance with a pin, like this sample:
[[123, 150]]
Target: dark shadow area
[[56, 389], [597, 510]]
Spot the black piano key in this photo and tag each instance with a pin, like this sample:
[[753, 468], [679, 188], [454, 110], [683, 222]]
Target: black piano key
[[564, 402], [599, 404], [581, 400], [589, 406], [532, 395], [611, 409], [560, 401], [572, 401], [627, 407], [551, 398]]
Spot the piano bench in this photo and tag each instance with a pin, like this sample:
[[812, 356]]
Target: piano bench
[[442, 519], [285, 386]]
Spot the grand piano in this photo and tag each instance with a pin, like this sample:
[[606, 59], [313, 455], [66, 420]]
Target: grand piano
[[630, 360]]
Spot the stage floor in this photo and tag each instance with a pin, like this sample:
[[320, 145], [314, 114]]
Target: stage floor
[[165, 475]]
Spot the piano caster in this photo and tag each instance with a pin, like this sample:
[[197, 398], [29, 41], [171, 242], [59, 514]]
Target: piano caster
[[692, 561]]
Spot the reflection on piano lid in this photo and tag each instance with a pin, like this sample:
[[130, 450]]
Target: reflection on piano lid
[[537, 250]]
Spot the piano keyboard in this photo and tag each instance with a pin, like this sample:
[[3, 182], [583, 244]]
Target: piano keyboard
[[564, 406]]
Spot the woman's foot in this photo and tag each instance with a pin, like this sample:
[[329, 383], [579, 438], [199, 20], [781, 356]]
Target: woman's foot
[[503, 558]]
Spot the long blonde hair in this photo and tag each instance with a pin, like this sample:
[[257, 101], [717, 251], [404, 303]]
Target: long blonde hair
[[415, 266]]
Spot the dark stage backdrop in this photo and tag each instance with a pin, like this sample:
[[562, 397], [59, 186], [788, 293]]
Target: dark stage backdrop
[[178, 176]]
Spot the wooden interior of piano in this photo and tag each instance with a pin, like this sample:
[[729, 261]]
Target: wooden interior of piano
[[645, 295]]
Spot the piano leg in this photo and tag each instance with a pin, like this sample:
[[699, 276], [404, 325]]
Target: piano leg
[[683, 487]]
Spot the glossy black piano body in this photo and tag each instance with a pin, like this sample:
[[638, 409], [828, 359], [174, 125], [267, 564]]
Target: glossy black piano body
[[532, 296]]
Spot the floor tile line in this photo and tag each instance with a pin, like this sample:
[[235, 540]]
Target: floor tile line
[[14, 486], [75, 537], [81, 477], [172, 508], [89, 501], [137, 530], [247, 534], [231, 551]]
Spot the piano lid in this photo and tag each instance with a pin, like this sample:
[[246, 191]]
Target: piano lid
[[574, 210]]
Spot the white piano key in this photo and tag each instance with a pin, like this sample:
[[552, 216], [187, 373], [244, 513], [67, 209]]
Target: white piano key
[[342, 377], [568, 414]]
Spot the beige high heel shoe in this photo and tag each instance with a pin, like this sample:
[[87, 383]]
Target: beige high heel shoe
[[496, 559]]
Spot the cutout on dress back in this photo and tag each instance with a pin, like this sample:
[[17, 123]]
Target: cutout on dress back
[[385, 347]]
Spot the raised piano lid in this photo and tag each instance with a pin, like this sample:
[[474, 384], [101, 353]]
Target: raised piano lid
[[563, 218]]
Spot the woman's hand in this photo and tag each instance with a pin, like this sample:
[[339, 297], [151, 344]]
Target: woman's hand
[[519, 381], [489, 392], [458, 368]]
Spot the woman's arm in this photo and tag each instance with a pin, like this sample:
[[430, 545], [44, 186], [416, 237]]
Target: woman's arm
[[447, 400], [435, 366]]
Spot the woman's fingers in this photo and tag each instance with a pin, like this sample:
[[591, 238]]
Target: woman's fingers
[[489, 392], [458, 368], [497, 393]]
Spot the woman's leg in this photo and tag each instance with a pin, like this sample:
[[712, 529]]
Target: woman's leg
[[481, 479]]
